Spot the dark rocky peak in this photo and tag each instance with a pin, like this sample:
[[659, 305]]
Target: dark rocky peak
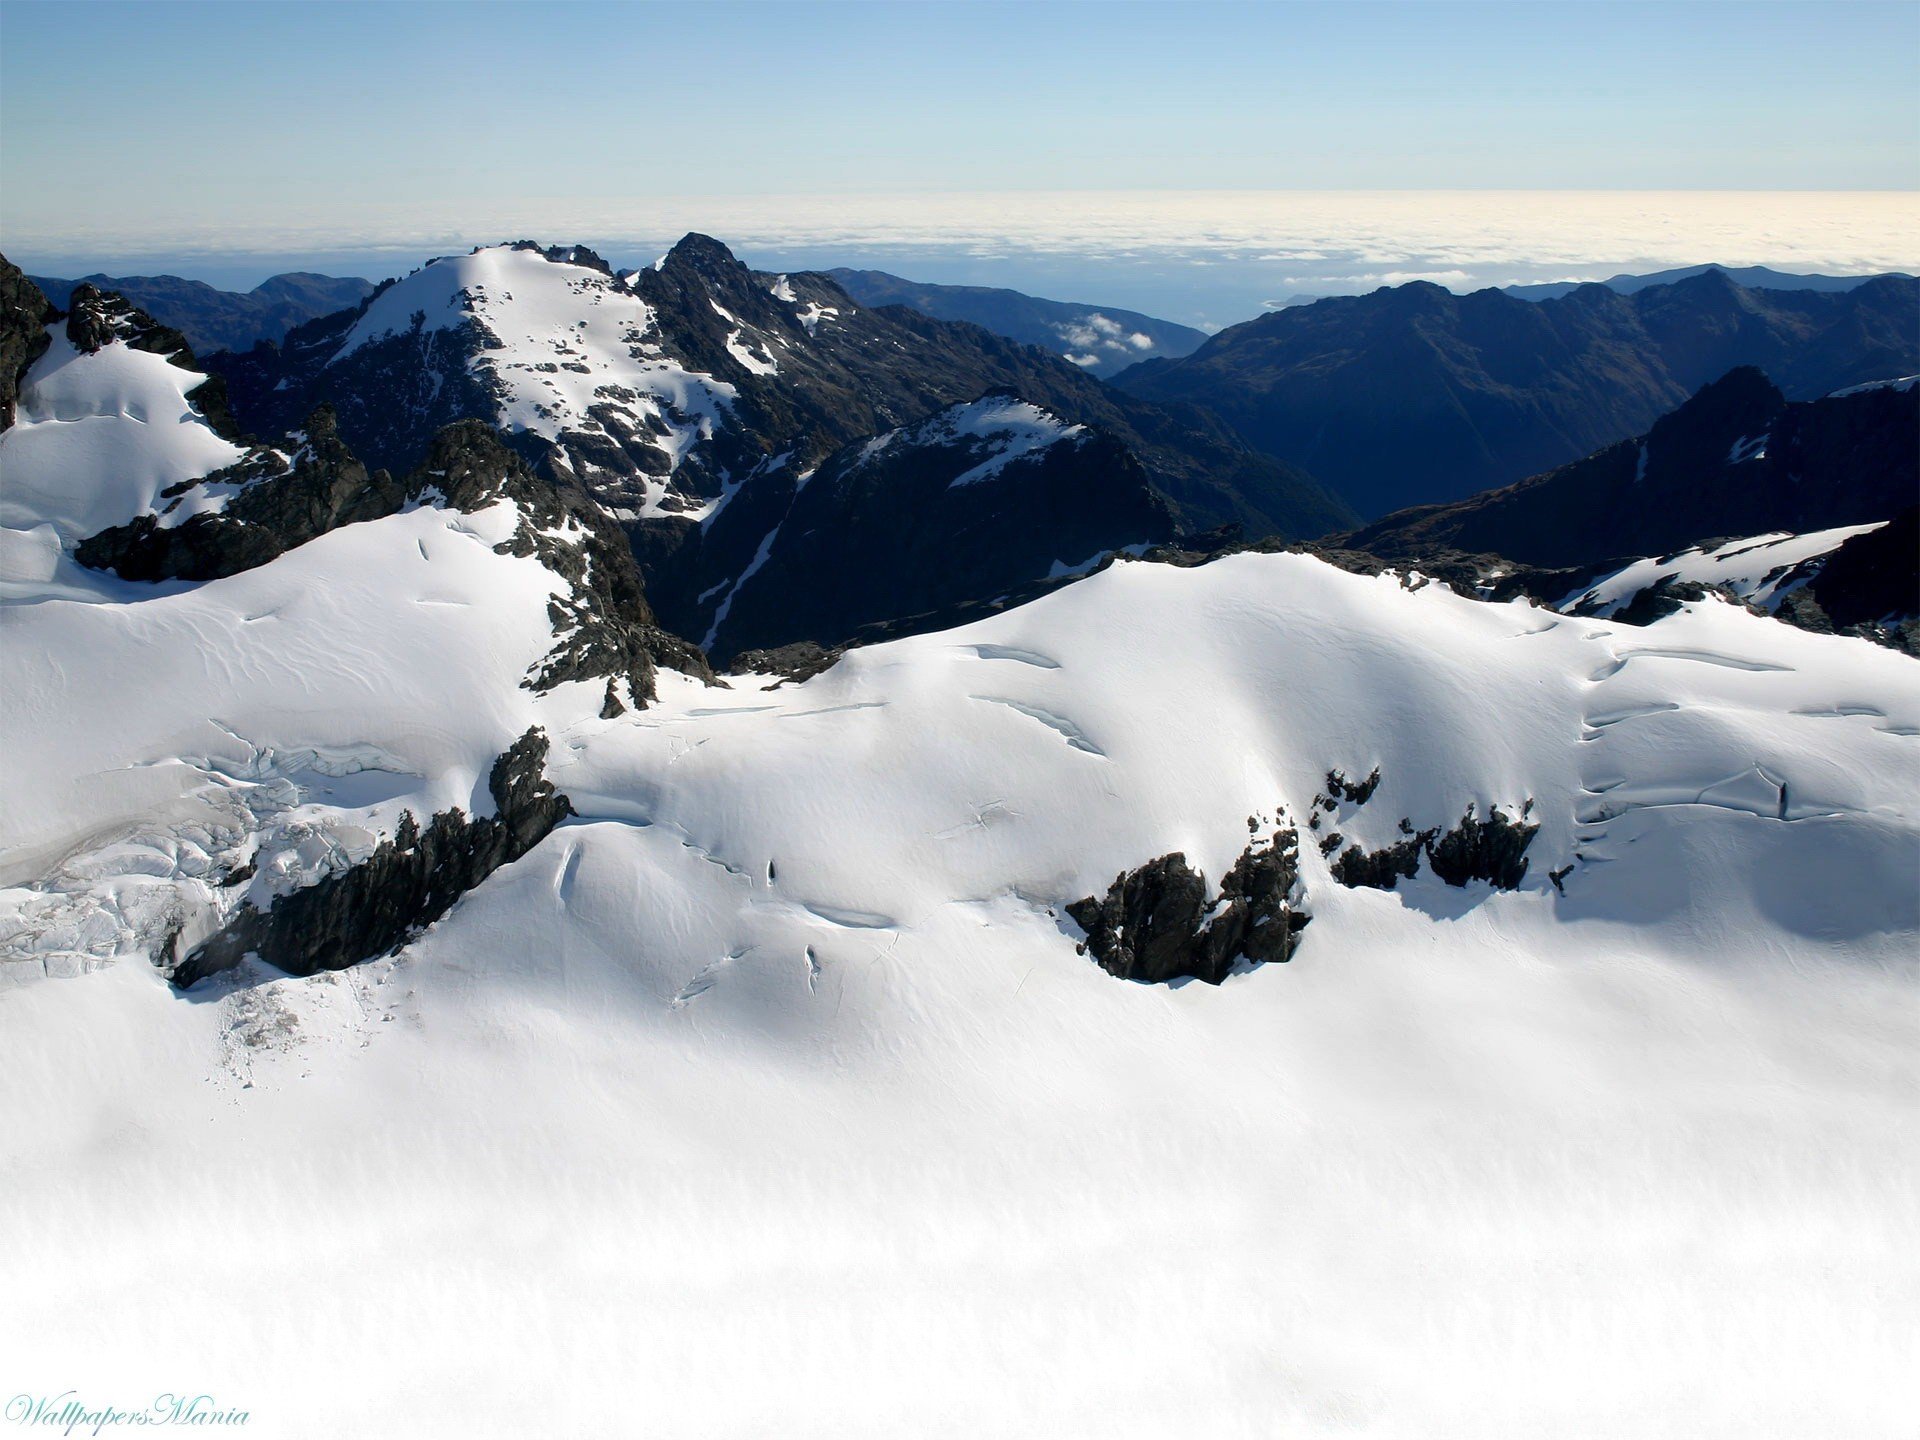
[[24, 316], [1419, 297], [96, 318], [469, 464], [1712, 283], [700, 273], [704, 256], [1707, 431], [566, 255]]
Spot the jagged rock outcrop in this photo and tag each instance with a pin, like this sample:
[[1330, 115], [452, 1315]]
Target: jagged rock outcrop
[[1157, 923], [281, 502], [97, 317], [1493, 849], [1384, 868], [24, 316], [1660, 600], [405, 885]]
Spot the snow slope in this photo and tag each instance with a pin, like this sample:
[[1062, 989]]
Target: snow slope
[[99, 436], [769, 1095]]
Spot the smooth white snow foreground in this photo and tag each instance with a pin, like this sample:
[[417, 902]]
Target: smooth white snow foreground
[[770, 1099]]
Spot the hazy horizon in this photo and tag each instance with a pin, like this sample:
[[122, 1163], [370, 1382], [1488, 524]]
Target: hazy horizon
[[1206, 258]]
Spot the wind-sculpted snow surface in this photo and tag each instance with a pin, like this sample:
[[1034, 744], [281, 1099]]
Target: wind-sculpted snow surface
[[771, 1092]]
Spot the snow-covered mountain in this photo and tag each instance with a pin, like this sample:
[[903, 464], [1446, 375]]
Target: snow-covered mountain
[[663, 388], [694, 399], [398, 919]]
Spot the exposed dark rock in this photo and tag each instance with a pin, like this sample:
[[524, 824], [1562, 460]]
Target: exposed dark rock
[[1354, 792], [801, 660], [405, 885], [1802, 609], [845, 373], [1494, 849], [1656, 602], [280, 506], [1385, 868], [1156, 923], [24, 317]]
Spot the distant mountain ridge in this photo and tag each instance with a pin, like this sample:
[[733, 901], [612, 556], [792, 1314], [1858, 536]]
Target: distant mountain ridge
[[1754, 277], [1415, 395], [1101, 339], [214, 319]]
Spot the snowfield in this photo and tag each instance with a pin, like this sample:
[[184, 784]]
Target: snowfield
[[769, 1094], [99, 437]]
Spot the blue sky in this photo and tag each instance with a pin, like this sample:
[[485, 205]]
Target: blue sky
[[168, 128]]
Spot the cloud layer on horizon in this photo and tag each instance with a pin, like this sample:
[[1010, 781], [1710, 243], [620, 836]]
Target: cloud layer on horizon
[[1351, 236]]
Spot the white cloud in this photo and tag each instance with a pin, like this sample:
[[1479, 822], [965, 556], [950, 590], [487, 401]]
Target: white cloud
[[1453, 278], [1471, 237]]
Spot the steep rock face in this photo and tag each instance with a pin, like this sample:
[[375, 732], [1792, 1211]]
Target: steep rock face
[[24, 315], [409, 882], [1157, 923], [665, 391], [973, 503], [603, 626], [1414, 395], [1738, 458]]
